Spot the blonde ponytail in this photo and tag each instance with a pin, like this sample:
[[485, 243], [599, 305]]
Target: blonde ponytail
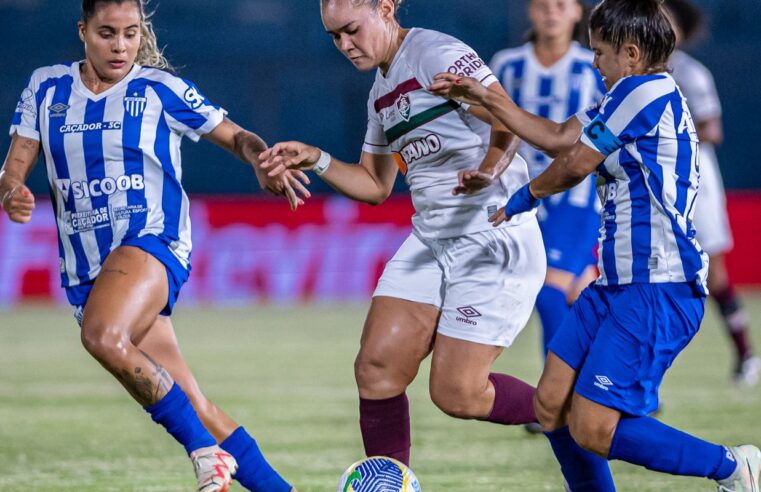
[[149, 54]]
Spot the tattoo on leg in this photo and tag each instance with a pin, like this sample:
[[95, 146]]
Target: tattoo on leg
[[113, 270], [147, 386]]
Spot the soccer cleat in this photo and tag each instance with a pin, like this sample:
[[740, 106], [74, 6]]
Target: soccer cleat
[[214, 469], [748, 371], [746, 477]]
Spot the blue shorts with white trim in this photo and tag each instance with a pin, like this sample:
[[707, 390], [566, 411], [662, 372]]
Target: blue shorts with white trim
[[622, 339], [176, 273]]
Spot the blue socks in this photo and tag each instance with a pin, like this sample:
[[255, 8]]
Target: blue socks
[[584, 471], [552, 306], [647, 442], [254, 472], [178, 417]]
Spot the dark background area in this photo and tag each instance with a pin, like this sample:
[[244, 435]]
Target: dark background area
[[271, 65]]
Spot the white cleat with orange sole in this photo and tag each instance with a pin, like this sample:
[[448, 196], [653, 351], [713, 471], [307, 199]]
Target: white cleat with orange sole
[[746, 477], [214, 469]]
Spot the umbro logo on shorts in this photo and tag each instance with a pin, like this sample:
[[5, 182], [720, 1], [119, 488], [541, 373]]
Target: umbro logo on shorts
[[603, 382], [468, 312]]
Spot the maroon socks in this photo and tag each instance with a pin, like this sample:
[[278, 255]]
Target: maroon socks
[[385, 426], [735, 319], [513, 401]]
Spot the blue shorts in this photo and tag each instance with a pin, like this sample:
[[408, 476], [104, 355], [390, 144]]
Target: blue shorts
[[622, 339], [176, 274], [570, 235]]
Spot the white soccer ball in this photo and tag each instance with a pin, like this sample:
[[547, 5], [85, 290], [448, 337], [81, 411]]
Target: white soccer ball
[[378, 474]]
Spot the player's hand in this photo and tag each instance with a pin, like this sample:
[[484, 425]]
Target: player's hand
[[18, 203], [463, 89], [290, 183], [289, 155], [521, 201], [470, 182]]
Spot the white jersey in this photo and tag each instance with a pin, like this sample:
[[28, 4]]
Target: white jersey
[[113, 159], [650, 175], [697, 85], [555, 93], [432, 138]]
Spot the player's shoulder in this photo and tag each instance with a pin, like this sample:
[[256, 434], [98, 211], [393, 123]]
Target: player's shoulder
[[51, 72], [170, 80], [509, 55], [426, 38], [159, 75], [425, 44], [688, 70], [643, 86]]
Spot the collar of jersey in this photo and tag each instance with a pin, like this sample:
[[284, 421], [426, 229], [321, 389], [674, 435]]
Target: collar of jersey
[[81, 87]]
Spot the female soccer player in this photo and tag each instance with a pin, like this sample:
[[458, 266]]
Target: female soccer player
[[711, 221], [440, 293], [552, 76], [608, 358], [110, 129]]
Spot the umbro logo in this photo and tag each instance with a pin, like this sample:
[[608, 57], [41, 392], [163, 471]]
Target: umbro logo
[[58, 110], [469, 311], [603, 382]]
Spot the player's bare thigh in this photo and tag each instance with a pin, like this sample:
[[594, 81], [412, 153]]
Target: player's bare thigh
[[126, 299], [129, 293], [397, 336], [459, 381]]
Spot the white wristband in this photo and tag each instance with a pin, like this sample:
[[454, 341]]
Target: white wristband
[[322, 164]]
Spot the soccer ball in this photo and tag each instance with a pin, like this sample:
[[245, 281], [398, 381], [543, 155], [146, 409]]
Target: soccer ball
[[378, 474]]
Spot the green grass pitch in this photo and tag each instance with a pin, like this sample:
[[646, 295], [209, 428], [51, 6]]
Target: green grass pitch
[[286, 374]]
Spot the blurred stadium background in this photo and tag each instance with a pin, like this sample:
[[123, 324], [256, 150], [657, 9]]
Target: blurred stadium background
[[270, 64]]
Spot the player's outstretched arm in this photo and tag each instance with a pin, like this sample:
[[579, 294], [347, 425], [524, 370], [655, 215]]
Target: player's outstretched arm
[[247, 146], [370, 181], [503, 146], [17, 200], [566, 171], [544, 134]]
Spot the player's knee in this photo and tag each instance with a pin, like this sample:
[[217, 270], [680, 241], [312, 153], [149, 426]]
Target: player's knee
[[591, 434], [105, 344], [548, 408], [376, 378]]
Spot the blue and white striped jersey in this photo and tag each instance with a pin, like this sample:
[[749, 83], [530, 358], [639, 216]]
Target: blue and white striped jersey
[[649, 183], [113, 159], [556, 93]]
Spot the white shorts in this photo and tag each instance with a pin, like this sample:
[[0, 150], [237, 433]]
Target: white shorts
[[485, 284], [710, 219]]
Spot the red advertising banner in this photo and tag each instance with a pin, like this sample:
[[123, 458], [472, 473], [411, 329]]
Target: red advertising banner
[[255, 249]]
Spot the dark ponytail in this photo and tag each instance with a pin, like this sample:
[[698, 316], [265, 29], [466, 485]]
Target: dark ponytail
[[641, 22]]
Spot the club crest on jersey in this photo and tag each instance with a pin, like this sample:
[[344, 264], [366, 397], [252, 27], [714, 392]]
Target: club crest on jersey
[[58, 110], [135, 105], [404, 106]]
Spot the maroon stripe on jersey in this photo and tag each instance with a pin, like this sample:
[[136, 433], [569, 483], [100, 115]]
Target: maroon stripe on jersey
[[390, 98]]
